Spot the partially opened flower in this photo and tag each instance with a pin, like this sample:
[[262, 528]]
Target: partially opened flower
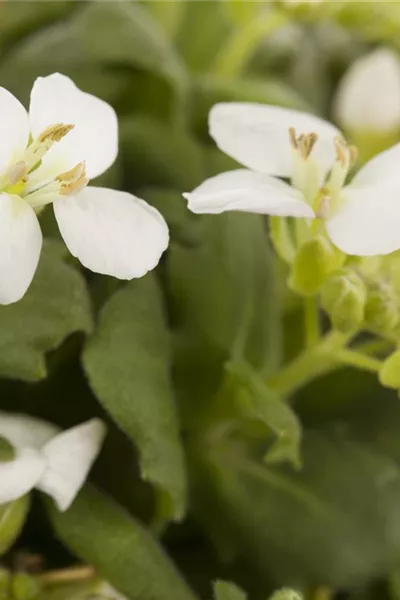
[[368, 96], [54, 462], [49, 156], [362, 218]]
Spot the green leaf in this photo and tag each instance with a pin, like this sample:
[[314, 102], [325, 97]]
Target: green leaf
[[222, 289], [121, 550], [156, 154], [342, 507], [255, 401], [12, 519], [209, 18], [127, 361], [224, 590], [56, 305], [124, 32]]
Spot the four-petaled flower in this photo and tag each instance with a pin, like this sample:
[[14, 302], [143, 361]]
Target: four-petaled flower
[[49, 156], [54, 462], [361, 218]]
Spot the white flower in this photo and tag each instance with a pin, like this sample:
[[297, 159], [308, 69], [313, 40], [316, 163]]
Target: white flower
[[368, 96], [54, 462], [362, 218], [49, 156]]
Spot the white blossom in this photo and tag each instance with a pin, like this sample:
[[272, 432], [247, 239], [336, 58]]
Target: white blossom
[[368, 96], [54, 462], [361, 218], [49, 156]]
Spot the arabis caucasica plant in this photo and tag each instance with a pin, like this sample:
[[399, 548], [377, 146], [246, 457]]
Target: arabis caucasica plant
[[49, 156], [54, 462], [277, 144]]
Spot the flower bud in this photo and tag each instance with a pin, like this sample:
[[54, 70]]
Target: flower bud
[[381, 309], [315, 260], [389, 375], [343, 297], [367, 104]]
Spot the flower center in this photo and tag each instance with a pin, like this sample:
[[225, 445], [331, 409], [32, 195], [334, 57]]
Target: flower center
[[21, 178], [322, 192]]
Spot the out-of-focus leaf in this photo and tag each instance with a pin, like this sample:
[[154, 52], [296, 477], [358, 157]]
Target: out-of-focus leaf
[[120, 549], [12, 519], [125, 33], [209, 90], [224, 306], [127, 362], [168, 14], [183, 225], [203, 32], [240, 12], [342, 507], [56, 305], [96, 38], [156, 154], [20, 18], [224, 590]]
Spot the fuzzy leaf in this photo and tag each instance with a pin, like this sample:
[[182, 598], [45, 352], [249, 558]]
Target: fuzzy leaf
[[127, 362], [121, 550], [56, 305]]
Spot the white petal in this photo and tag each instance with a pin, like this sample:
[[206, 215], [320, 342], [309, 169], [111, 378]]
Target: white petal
[[257, 135], [368, 223], [20, 475], [112, 232], [250, 192], [14, 129], [94, 139], [382, 170], [24, 431], [20, 245], [69, 457], [368, 96]]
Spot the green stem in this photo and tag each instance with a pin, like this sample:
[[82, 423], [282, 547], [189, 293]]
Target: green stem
[[244, 41], [311, 363], [358, 360], [311, 322]]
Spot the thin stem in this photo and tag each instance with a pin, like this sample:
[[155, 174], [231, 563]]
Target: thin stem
[[311, 322], [72, 575], [245, 40], [375, 347], [358, 360], [311, 363]]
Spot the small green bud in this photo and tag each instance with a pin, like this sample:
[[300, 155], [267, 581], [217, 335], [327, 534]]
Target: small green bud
[[381, 309], [389, 375], [343, 297], [315, 260], [24, 587], [12, 519]]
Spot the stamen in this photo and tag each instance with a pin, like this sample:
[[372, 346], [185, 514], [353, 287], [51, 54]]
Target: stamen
[[323, 208], [346, 155], [55, 133], [304, 143], [74, 180], [73, 174]]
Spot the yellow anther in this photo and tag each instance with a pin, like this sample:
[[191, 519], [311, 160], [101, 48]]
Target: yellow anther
[[346, 155], [55, 133], [73, 174], [74, 180], [304, 143]]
